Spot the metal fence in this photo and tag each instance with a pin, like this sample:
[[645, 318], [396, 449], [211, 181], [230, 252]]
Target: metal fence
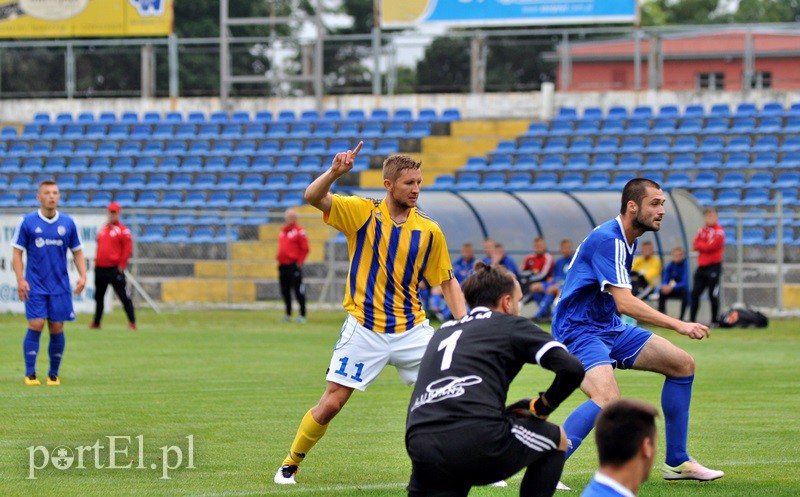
[[386, 63]]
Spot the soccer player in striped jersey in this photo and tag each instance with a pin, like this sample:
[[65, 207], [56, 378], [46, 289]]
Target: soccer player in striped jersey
[[598, 285], [392, 247]]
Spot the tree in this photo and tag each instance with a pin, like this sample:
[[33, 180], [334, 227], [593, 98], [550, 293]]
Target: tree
[[445, 67], [768, 11]]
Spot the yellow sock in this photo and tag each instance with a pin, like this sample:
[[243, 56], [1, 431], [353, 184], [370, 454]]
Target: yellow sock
[[308, 435]]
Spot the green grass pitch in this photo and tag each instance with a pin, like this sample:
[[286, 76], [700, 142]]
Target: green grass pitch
[[239, 383]]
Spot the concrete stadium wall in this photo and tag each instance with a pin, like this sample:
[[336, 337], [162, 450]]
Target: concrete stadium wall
[[527, 105]]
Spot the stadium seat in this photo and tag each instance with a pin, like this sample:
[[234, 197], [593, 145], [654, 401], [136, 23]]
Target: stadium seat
[[710, 161], [690, 127], [787, 180], [654, 176], [8, 199], [765, 161], [607, 146], [555, 146], [228, 182], [678, 180], [753, 236], [290, 199], [155, 182], [769, 125], [772, 109], [685, 144], [637, 128], [178, 234], [704, 197], [419, 130], [125, 199], [743, 125], [552, 163], [663, 127], [218, 200], [263, 117], [566, 114], [277, 182], [712, 144], [536, 129], [597, 181], [613, 128], [78, 199], [66, 182], [734, 179], [746, 109], [204, 234], [195, 200], [694, 111], [153, 234], [561, 129], [312, 164], [630, 162], [658, 162], [790, 144], [527, 163], [88, 182], [669, 112], [706, 179], [545, 181], [111, 182], [578, 163], [587, 128], [720, 110], [444, 182], [266, 200], [468, 181], [729, 198], [493, 181], [501, 163], [790, 161], [757, 197], [255, 132], [519, 181], [632, 146], [621, 180], [604, 163], [148, 199], [658, 145], [100, 200], [766, 144], [760, 179], [786, 239]]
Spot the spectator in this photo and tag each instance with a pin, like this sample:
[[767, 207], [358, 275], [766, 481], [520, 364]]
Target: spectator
[[674, 282], [114, 248], [292, 252], [536, 276], [710, 243], [648, 265], [496, 254]]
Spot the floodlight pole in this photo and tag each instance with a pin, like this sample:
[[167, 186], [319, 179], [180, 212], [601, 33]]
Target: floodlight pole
[[224, 47], [376, 47]]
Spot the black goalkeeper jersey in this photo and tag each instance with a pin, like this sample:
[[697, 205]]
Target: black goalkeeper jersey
[[469, 364]]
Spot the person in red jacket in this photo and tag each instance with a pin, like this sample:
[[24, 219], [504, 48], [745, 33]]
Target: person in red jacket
[[710, 243], [292, 251], [114, 248]]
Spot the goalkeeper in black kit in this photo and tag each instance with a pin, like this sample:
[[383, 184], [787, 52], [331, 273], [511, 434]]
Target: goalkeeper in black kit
[[459, 431]]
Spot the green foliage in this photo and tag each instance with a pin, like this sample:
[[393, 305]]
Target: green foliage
[[445, 67]]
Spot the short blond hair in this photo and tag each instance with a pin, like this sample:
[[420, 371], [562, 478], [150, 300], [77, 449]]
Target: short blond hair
[[394, 165]]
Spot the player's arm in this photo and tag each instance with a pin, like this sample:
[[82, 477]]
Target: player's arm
[[80, 263], [454, 297], [318, 192], [631, 306], [22, 286], [569, 375]]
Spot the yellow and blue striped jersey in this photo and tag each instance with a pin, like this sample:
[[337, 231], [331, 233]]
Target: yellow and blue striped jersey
[[387, 262]]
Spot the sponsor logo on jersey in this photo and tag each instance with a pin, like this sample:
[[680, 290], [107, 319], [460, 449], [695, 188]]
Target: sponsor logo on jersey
[[445, 388], [39, 242], [62, 230]]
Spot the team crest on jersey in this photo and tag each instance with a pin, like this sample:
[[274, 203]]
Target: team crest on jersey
[[445, 388], [62, 230], [149, 8], [39, 242]]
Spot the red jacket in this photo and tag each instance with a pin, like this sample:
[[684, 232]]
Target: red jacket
[[292, 245], [114, 246], [710, 242]]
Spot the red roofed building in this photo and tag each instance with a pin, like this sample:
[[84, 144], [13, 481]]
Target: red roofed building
[[690, 61]]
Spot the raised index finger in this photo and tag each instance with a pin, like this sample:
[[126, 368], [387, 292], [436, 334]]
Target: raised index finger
[[358, 148]]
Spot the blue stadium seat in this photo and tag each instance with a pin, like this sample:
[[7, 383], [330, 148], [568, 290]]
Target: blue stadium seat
[[519, 181], [578, 163], [77, 165], [642, 112], [180, 182], [266, 200], [772, 109], [468, 181], [204, 234], [792, 126], [757, 197], [710, 161], [309, 116], [228, 182], [88, 182], [621, 180], [712, 144], [8, 199], [706, 179], [765, 161], [613, 128], [501, 163], [735, 179], [678, 180], [720, 110], [658, 177], [222, 148], [536, 129], [716, 126], [566, 114], [617, 113], [78, 199], [64, 118], [66, 182], [743, 125], [173, 117], [444, 182], [657, 162], [789, 197], [729, 198], [403, 115], [150, 199], [738, 144], [100, 200], [766, 144], [690, 127], [243, 200], [125, 199], [276, 182], [769, 125], [372, 130], [332, 116], [746, 109], [552, 163], [493, 181], [760, 179], [311, 164], [545, 181], [664, 127], [286, 116], [218, 200], [607, 146], [255, 132], [96, 132], [685, 144], [587, 128], [570, 182], [638, 128], [527, 163], [419, 130], [427, 115], [263, 164], [379, 116], [387, 147], [300, 181], [790, 144], [29, 200], [604, 163], [41, 118], [111, 182], [278, 131], [753, 236], [158, 181], [669, 112], [195, 200], [658, 145], [21, 183], [32, 165], [358, 115], [153, 234], [561, 129], [291, 199], [738, 161], [252, 182], [704, 197], [178, 234], [597, 181], [205, 182], [787, 180], [788, 237], [286, 164], [555, 146], [632, 145], [301, 130], [263, 117], [694, 111], [450, 115], [631, 162]]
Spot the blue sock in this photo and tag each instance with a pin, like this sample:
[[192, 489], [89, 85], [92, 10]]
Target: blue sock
[[579, 423], [544, 305], [56, 350], [30, 349], [675, 399]]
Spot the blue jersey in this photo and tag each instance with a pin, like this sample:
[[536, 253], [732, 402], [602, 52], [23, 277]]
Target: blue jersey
[[675, 273], [463, 269], [46, 242], [506, 262], [603, 259], [603, 486], [560, 269]]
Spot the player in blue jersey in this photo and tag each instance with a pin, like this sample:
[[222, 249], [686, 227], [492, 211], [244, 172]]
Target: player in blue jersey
[[626, 447], [597, 286], [45, 236]]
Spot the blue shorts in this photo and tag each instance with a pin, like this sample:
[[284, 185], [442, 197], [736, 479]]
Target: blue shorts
[[597, 347], [56, 308]]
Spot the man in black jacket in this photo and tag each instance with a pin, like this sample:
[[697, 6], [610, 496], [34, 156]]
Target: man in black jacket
[[459, 431]]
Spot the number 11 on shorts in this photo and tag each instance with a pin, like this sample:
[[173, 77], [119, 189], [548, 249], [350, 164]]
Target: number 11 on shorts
[[343, 369]]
